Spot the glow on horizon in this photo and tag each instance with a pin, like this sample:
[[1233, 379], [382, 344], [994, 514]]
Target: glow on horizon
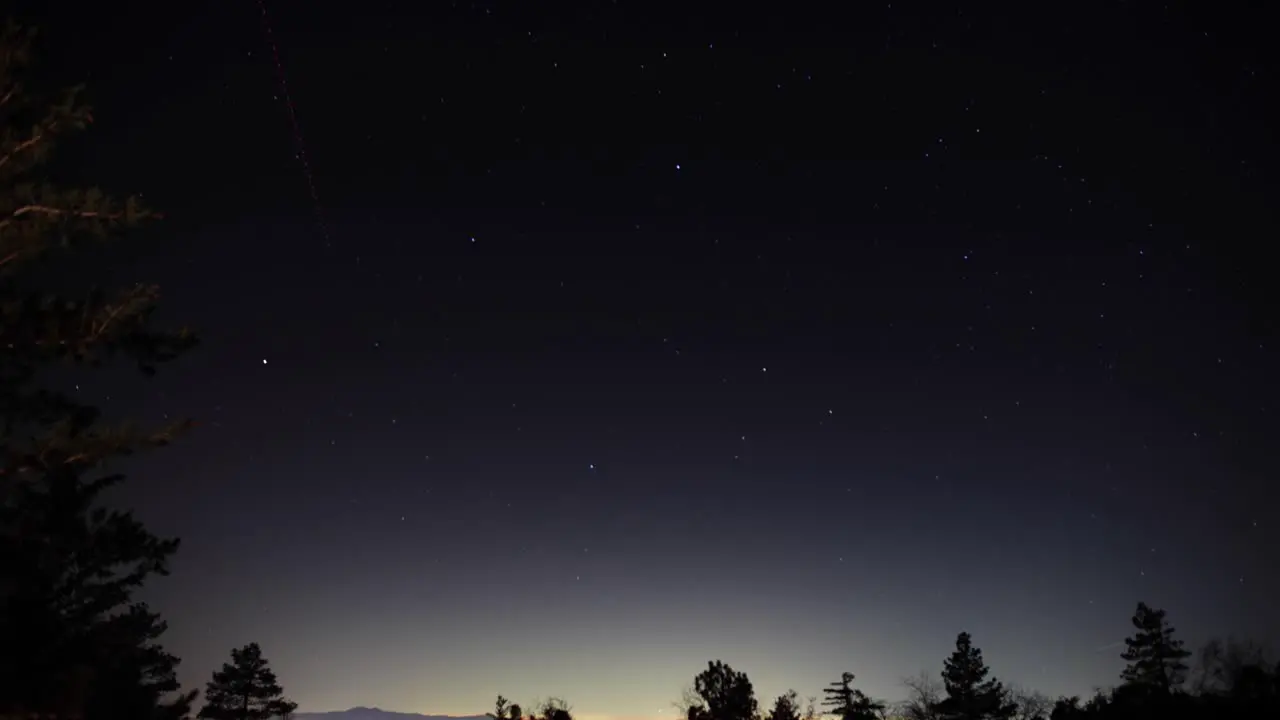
[[659, 715]]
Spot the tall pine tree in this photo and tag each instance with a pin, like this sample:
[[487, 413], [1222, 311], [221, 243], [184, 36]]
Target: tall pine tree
[[1154, 655], [245, 689], [73, 642], [970, 695], [849, 703]]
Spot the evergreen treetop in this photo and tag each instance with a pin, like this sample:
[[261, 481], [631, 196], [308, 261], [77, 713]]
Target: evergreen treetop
[[245, 689], [848, 703], [1154, 656], [970, 694]]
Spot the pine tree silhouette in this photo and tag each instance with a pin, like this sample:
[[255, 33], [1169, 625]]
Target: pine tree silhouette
[[970, 695], [75, 641], [245, 689], [725, 695], [1154, 655], [848, 703]]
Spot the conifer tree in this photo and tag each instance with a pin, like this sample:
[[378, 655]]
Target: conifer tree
[[970, 695], [724, 694], [786, 707], [245, 689], [72, 639], [848, 703], [1154, 655]]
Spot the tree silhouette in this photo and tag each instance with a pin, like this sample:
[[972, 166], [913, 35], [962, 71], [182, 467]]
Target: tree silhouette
[[786, 707], [924, 692], [1221, 664], [688, 700], [501, 709], [970, 695], [1155, 657], [1257, 687], [554, 708], [1029, 704], [1237, 679], [723, 694], [1069, 708], [848, 703], [245, 689], [1234, 680], [75, 642]]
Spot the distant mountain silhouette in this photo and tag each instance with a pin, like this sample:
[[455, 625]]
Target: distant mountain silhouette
[[368, 713]]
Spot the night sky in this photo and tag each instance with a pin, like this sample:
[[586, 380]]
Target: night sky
[[622, 336]]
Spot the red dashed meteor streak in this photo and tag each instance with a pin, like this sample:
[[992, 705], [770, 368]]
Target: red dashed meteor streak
[[293, 121]]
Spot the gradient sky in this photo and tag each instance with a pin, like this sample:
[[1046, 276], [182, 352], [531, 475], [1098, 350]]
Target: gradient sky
[[638, 336]]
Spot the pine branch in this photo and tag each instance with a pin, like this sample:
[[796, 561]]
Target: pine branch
[[21, 147], [61, 452], [49, 211]]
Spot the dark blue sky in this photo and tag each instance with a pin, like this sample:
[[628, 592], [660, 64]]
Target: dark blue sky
[[638, 336]]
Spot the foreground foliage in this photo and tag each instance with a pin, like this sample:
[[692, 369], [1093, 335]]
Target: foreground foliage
[[73, 642]]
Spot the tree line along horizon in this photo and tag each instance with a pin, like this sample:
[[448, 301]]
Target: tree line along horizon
[[75, 644]]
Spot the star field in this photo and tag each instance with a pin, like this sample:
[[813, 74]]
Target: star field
[[560, 350]]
